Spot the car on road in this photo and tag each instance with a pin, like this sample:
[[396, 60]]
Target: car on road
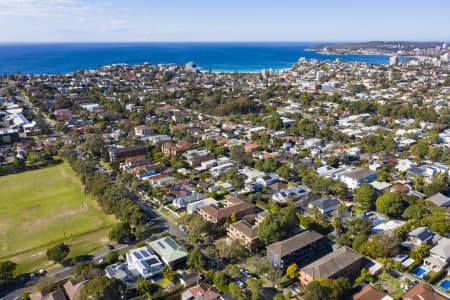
[[240, 284], [110, 247]]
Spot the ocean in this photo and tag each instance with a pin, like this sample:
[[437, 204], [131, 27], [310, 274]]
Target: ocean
[[228, 57]]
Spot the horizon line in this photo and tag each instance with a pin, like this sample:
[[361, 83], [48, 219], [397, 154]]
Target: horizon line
[[223, 42]]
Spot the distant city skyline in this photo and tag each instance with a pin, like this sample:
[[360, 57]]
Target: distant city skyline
[[221, 21]]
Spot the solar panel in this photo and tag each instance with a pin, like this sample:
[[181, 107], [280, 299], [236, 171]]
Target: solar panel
[[137, 255], [145, 253], [161, 245]]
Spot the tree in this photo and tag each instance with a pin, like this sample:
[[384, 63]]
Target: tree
[[112, 257], [317, 291], [420, 252], [381, 245], [234, 290], [291, 271], [84, 270], [121, 232], [439, 185], [274, 276], [233, 217], [232, 270], [145, 288], [168, 273], [254, 285], [278, 226], [103, 288], [415, 211], [195, 224], [195, 260], [326, 289], [232, 251], [58, 253], [391, 204], [364, 276], [7, 269], [220, 281], [365, 196], [359, 226], [283, 171]]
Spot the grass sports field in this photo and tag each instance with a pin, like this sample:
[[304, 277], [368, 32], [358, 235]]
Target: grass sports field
[[43, 207]]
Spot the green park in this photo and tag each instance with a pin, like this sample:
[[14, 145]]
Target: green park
[[44, 207]]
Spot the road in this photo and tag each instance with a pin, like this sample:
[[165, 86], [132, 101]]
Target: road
[[166, 224]]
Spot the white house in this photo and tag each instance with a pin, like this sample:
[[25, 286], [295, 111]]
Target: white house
[[143, 262], [355, 178], [439, 254], [195, 206], [294, 192]]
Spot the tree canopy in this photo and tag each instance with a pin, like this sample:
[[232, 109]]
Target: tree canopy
[[103, 288], [58, 253]]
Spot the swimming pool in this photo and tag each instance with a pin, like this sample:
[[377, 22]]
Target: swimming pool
[[419, 271], [445, 284]]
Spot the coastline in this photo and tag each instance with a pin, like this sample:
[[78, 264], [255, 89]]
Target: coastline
[[217, 57]]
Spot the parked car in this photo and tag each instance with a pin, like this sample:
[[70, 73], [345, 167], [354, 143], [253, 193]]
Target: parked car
[[240, 284]]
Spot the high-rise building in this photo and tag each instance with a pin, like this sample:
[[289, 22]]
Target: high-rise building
[[393, 60]]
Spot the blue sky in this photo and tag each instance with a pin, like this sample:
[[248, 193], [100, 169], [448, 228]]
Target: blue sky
[[229, 20]]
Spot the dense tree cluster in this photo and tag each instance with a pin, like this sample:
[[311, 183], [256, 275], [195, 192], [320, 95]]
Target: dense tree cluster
[[279, 226]]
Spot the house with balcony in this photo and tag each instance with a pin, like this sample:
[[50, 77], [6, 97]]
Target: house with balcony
[[219, 214], [300, 249], [354, 178], [244, 232], [142, 262], [344, 262]]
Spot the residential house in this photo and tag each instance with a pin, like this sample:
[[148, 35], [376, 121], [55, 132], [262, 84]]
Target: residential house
[[195, 157], [251, 148], [73, 288], [259, 217], [147, 170], [439, 254], [125, 152], [42, 295], [440, 200], [268, 179], [119, 271], [143, 131], [63, 114], [190, 279], [300, 249], [218, 215], [390, 225], [422, 291], [179, 148], [200, 293], [368, 292], [133, 162], [171, 253], [8, 136], [344, 262], [353, 179], [244, 232], [195, 206], [143, 262], [290, 192], [324, 205], [217, 171], [422, 235], [184, 200], [154, 139]]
